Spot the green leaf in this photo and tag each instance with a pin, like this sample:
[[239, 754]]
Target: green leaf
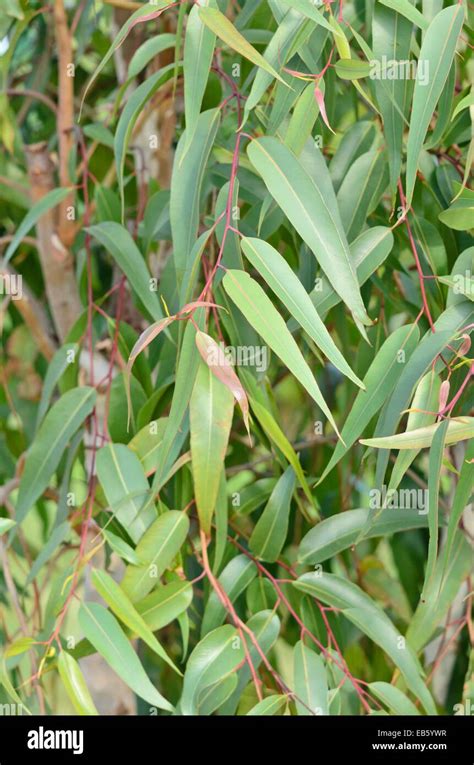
[[352, 68], [381, 377], [276, 435], [215, 657], [211, 411], [59, 363], [393, 698], [341, 531], [118, 242], [157, 549], [307, 8], [216, 695], [286, 285], [148, 50], [289, 36], [109, 640], [464, 103], [432, 344], [118, 602], [368, 252], [406, 9], [360, 191], [164, 604], [46, 451], [223, 28], [307, 209], [234, 580], [269, 706], [6, 524], [259, 311], [436, 460], [134, 106], [459, 429], [75, 685], [310, 681], [176, 426], [186, 183], [459, 216], [40, 208], [126, 488], [459, 503], [58, 535], [265, 626], [437, 53], [268, 536], [360, 609], [198, 52], [147, 12], [121, 547], [440, 593]]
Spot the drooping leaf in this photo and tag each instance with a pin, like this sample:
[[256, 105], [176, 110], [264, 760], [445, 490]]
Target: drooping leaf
[[259, 311], [302, 202], [269, 534], [55, 432], [108, 638], [75, 685], [360, 609], [437, 52], [282, 280]]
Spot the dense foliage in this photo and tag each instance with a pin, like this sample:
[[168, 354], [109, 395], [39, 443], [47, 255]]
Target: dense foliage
[[237, 284]]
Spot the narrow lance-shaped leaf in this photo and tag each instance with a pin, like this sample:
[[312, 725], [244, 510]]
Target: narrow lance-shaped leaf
[[341, 531], [436, 55], [306, 208], [286, 285], [108, 638], [434, 473], [55, 432], [75, 685], [117, 240], [276, 435], [165, 603], [360, 609], [458, 429], [198, 52], [186, 182], [129, 116], [393, 698], [259, 311], [147, 12], [310, 681], [58, 364], [211, 410], [268, 536], [44, 205], [223, 28], [391, 34], [119, 603], [380, 379], [269, 706], [460, 501]]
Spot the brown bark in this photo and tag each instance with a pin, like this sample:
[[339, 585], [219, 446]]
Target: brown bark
[[56, 261], [65, 117]]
